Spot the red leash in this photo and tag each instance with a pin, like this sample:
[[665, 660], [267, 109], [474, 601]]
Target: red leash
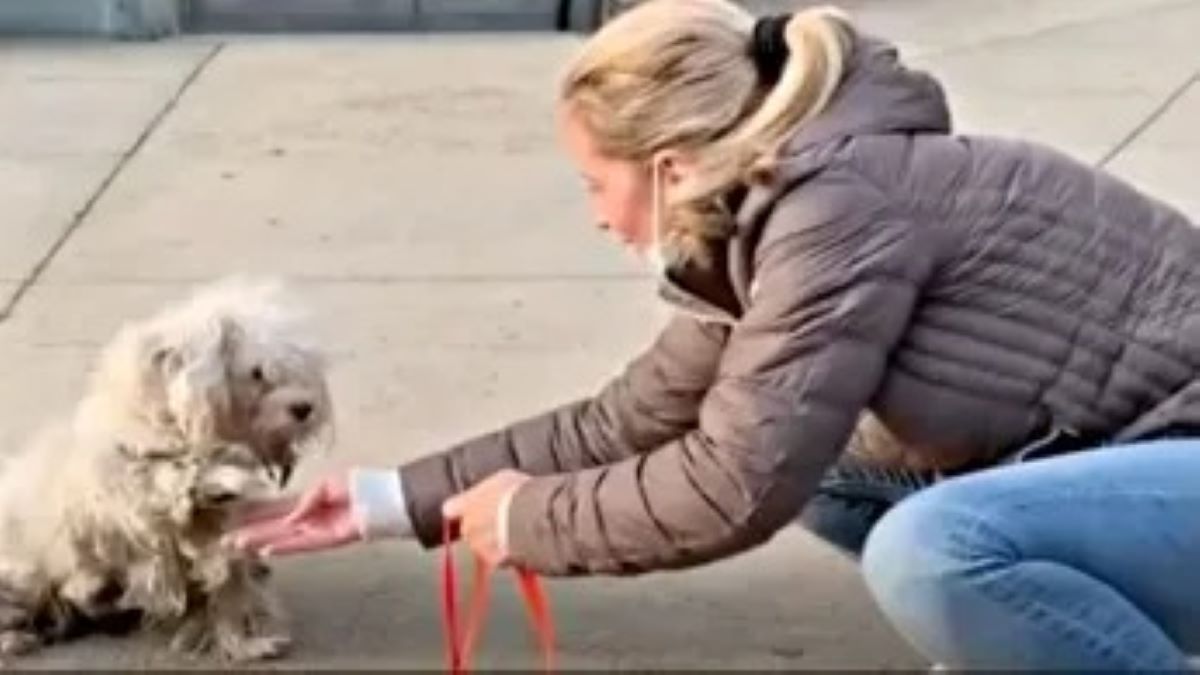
[[462, 639]]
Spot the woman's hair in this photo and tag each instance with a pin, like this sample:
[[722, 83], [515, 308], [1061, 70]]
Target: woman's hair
[[680, 75]]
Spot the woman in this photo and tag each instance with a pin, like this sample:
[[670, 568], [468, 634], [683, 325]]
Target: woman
[[867, 305]]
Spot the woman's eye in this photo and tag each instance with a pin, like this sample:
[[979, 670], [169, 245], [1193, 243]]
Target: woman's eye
[[257, 374]]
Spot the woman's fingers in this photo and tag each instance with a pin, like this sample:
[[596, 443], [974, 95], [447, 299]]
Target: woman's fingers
[[266, 511], [480, 535], [256, 536], [303, 540], [309, 504], [452, 508], [266, 526]]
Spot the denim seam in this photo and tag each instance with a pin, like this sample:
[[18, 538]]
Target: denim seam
[[1076, 628], [1064, 625], [1089, 495]]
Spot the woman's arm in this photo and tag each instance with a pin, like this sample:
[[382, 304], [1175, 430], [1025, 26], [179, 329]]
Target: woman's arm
[[838, 279], [656, 399]]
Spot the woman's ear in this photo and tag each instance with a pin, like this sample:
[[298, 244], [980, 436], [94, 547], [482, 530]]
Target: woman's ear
[[674, 165]]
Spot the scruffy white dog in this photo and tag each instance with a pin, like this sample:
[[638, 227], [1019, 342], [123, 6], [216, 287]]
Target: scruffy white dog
[[116, 513]]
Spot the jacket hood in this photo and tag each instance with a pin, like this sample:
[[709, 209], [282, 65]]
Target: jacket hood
[[878, 95]]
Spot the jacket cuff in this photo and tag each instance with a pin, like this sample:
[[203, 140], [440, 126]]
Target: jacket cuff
[[377, 502], [427, 482]]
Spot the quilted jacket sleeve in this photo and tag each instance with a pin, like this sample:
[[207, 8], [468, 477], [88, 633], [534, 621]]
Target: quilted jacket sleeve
[[838, 277], [655, 399]]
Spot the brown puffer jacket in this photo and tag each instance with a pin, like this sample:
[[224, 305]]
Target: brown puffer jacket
[[951, 297]]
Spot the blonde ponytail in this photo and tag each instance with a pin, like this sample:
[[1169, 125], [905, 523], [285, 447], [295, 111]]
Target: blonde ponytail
[[679, 75], [818, 43]]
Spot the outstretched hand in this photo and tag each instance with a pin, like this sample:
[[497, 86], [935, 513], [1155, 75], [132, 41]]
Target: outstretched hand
[[481, 514], [319, 519], [324, 518]]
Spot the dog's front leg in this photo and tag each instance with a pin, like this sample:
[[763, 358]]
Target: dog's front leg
[[240, 616], [248, 620]]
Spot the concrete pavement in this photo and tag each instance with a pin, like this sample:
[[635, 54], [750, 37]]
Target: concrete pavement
[[411, 187], [71, 114]]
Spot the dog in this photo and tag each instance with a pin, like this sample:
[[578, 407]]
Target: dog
[[113, 516]]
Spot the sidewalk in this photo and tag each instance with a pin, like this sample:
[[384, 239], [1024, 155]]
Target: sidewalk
[[411, 188]]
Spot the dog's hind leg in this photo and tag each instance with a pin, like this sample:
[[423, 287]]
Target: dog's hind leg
[[13, 614], [18, 642], [18, 634], [21, 601]]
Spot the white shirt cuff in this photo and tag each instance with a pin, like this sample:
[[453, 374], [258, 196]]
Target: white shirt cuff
[[502, 521], [377, 502]]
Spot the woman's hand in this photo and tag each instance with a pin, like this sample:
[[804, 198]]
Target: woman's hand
[[324, 518], [321, 518], [482, 514]]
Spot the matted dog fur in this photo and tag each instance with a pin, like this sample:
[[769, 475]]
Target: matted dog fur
[[114, 515]]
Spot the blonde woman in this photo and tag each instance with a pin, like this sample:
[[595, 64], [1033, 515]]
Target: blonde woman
[[869, 306]]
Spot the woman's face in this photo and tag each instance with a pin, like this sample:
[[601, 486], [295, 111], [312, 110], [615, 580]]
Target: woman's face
[[621, 192]]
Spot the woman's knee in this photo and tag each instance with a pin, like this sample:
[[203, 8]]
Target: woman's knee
[[921, 552]]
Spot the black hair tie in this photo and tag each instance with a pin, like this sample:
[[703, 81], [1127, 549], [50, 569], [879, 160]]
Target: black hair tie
[[768, 46]]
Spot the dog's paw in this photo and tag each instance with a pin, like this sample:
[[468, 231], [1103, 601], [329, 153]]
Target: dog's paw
[[18, 642], [257, 648], [15, 612], [192, 638], [223, 484], [13, 616]]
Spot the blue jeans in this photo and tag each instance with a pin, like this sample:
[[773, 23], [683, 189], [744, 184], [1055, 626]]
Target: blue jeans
[[853, 497], [1087, 561]]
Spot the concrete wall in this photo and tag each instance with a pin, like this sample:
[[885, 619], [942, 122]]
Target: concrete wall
[[142, 19], [359, 15], [124, 19]]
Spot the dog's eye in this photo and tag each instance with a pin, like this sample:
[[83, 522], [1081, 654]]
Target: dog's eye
[[257, 375]]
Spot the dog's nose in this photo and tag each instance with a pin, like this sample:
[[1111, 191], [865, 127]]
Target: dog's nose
[[301, 411]]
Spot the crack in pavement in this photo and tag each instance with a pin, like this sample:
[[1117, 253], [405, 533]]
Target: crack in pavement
[[35, 274], [1153, 117], [1069, 24]]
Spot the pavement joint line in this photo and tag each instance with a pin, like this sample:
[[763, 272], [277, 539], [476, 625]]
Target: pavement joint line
[[125, 158], [380, 280], [1154, 116], [1000, 40]]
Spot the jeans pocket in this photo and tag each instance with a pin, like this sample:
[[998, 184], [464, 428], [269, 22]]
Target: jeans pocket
[[853, 496]]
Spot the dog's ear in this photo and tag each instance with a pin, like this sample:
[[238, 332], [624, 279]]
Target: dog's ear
[[162, 360], [197, 372], [128, 373]]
